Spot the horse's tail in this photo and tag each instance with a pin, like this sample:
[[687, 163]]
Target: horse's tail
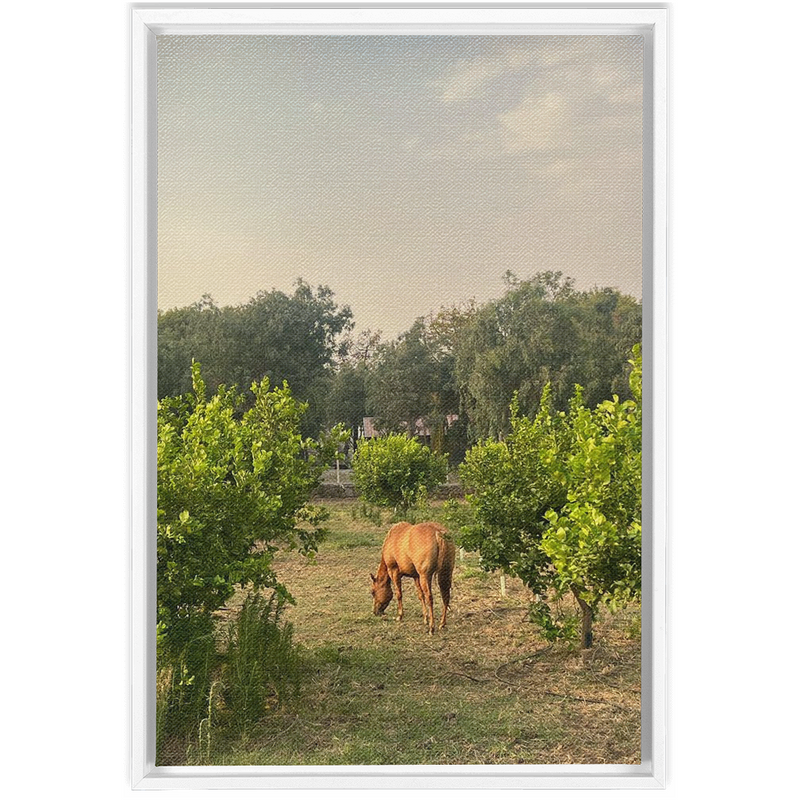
[[445, 563]]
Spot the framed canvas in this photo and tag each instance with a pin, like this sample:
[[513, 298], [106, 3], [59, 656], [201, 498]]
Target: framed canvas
[[393, 169]]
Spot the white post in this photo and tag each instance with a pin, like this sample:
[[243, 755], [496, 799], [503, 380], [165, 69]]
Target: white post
[[502, 584]]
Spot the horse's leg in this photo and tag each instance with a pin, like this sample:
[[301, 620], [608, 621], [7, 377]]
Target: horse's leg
[[444, 587], [421, 598], [427, 591], [397, 580]]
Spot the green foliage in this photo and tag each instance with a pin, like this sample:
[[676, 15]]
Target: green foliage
[[288, 337], [554, 627], [183, 676], [346, 403], [232, 489], [413, 378], [396, 471], [457, 517], [465, 360], [333, 441], [510, 486], [256, 669], [261, 663], [542, 331], [558, 502], [594, 541]]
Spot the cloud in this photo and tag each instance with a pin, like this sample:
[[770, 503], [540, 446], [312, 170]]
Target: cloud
[[569, 98], [539, 122], [471, 80], [596, 121]]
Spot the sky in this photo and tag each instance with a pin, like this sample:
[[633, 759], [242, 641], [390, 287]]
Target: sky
[[405, 172]]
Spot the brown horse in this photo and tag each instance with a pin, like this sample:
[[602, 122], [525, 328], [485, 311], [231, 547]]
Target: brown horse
[[418, 552]]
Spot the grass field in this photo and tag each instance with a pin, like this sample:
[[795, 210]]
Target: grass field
[[485, 690]]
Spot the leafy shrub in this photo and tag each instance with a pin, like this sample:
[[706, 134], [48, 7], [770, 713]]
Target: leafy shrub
[[554, 627], [509, 488], [558, 503], [233, 486], [183, 678], [397, 472]]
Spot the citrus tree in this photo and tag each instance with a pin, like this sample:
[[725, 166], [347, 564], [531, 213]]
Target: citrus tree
[[558, 502], [510, 487], [233, 488], [397, 471], [594, 540]]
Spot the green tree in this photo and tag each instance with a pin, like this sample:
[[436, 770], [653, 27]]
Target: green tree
[[402, 381], [397, 471], [233, 487], [413, 377], [510, 487], [542, 331], [346, 403], [293, 337], [558, 502], [594, 541], [199, 331]]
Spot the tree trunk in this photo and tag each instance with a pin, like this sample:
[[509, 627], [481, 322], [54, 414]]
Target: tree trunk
[[587, 615]]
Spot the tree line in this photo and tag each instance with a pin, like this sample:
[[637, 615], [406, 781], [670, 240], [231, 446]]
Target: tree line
[[548, 441], [467, 361]]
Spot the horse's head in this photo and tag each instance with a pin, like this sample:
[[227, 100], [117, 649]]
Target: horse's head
[[381, 594]]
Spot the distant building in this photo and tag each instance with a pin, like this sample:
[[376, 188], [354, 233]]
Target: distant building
[[421, 431]]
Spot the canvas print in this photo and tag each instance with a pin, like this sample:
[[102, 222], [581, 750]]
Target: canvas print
[[399, 399]]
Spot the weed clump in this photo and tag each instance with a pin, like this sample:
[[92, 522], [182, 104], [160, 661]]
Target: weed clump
[[209, 687], [261, 663]]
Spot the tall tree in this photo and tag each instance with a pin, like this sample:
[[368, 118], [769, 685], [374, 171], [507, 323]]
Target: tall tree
[[542, 331], [346, 401], [403, 381], [198, 331], [413, 377], [286, 337]]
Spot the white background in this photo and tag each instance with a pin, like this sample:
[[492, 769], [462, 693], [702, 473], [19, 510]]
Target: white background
[[734, 441]]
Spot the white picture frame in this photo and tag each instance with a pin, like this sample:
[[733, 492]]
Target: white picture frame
[[146, 22]]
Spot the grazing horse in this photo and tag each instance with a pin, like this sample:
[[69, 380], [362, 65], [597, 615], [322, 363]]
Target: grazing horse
[[418, 552]]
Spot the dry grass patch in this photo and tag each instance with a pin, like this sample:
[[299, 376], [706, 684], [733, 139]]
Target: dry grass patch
[[485, 690]]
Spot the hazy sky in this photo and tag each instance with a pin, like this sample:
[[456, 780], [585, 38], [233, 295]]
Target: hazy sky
[[406, 172]]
